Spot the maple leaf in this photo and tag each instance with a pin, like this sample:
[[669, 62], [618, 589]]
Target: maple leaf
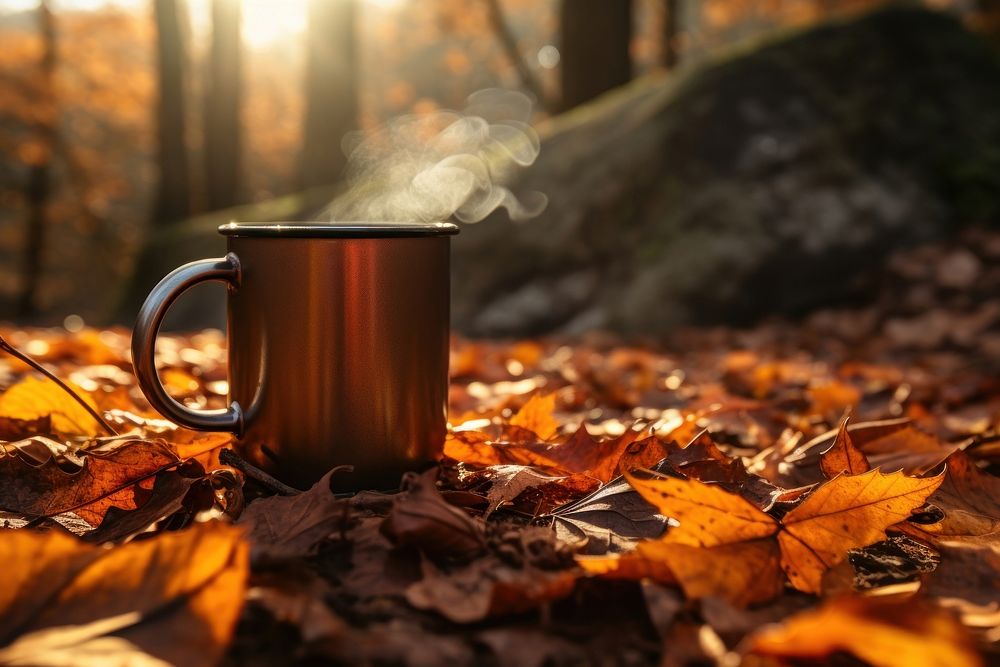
[[536, 416], [843, 456], [845, 513], [881, 631], [171, 599]]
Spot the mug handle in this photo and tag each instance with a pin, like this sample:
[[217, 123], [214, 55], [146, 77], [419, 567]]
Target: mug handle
[[225, 269]]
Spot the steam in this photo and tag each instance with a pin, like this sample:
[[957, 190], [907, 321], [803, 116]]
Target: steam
[[433, 167]]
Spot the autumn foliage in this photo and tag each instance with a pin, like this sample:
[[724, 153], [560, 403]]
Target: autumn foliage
[[726, 490]]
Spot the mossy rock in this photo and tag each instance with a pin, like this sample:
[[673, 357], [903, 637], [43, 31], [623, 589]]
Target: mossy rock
[[774, 178]]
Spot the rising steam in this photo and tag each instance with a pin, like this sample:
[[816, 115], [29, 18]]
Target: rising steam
[[433, 167]]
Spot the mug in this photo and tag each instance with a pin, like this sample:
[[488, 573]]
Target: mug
[[338, 347]]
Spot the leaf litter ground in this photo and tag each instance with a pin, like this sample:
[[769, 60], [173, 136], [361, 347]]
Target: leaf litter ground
[[788, 493]]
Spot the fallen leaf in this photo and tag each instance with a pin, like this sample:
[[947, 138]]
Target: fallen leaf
[[486, 587], [536, 416], [165, 498], [281, 527], [421, 518], [173, 599], [107, 478], [32, 399], [968, 583], [843, 456], [847, 512], [881, 631], [510, 482], [970, 500], [722, 544]]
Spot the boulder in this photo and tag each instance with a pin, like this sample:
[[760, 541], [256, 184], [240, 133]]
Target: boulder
[[773, 179]]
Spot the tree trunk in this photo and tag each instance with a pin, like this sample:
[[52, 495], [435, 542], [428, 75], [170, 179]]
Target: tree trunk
[[331, 88], [39, 185], [671, 29], [509, 43], [222, 108], [595, 48], [173, 199]]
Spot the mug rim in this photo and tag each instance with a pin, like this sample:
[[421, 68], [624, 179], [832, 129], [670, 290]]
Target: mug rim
[[300, 230]]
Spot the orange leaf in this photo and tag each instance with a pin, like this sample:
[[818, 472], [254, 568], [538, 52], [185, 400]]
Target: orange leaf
[[843, 456], [847, 512], [32, 398], [536, 416], [880, 631], [172, 599]]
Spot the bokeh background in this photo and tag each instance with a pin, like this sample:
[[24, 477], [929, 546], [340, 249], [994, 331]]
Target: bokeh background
[[130, 128]]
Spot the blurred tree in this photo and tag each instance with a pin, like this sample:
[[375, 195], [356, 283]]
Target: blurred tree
[[173, 199], [39, 183], [671, 30], [509, 43], [331, 88], [222, 145], [596, 35]]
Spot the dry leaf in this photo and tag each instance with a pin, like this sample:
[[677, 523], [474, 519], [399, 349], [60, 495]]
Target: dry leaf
[[291, 526], [729, 552], [536, 416], [107, 478], [881, 631], [421, 518], [173, 599], [843, 456], [486, 587], [970, 500], [32, 399]]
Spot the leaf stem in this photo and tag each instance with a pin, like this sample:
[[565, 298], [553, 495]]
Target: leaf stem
[[14, 352], [230, 458]]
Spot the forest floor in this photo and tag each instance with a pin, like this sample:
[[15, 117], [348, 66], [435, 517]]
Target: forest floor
[[791, 492]]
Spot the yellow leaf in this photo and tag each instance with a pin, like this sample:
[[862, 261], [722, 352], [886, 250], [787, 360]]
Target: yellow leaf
[[847, 512], [880, 631], [708, 514], [536, 416], [172, 599], [32, 398]]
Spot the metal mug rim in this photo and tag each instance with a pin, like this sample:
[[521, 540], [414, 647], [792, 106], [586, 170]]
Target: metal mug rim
[[338, 230]]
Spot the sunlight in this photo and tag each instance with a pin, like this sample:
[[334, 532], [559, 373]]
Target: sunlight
[[266, 21]]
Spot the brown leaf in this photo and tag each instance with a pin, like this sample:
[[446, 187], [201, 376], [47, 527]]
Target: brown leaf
[[107, 478], [970, 500], [173, 599], [510, 482], [881, 631], [281, 527], [12, 428], [421, 518], [486, 587], [843, 456], [32, 399], [968, 582], [165, 498]]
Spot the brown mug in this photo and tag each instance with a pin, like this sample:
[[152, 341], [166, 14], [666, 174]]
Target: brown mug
[[338, 347]]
